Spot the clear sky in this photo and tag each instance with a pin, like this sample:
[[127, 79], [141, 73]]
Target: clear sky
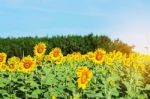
[[128, 20]]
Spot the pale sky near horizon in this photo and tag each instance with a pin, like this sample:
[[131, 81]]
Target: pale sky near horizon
[[128, 20]]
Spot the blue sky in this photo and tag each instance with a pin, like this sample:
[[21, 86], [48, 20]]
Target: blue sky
[[128, 20]]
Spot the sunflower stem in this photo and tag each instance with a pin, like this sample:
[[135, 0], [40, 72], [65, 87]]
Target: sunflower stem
[[10, 90], [82, 94], [25, 78], [41, 81]]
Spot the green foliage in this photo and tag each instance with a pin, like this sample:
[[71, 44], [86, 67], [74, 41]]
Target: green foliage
[[108, 82], [68, 44], [147, 79]]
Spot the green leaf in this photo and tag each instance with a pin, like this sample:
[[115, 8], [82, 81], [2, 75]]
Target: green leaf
[[35, 93], [3, 91], [47, 95], [115, 92], [33, 83], [147, 87], [94, 95], [23, 89]]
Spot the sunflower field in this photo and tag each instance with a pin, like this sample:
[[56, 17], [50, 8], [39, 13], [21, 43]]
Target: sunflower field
[[94, 75]]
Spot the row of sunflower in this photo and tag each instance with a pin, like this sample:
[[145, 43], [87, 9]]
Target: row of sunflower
[[28, 63], [96, 74]]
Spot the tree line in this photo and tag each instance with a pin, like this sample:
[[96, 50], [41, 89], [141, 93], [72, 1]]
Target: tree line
[[23, 46]]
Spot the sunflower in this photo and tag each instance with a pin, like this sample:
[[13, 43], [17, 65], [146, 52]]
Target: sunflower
[[47, 58], [27, 64], [90, 55], [60, 61], [75, 57], [13, 63], [39, 59], [109, 58], [84, 76], [142, 67], [99, 55], [39, 49], [55, 54], [3, 67], [12, 68], [2, 58], [53, 97], [14, 60], [126, 62]]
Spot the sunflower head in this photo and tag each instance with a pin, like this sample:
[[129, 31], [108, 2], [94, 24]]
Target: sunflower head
[[56, 54], [109, 58], [39, 49], [12, 67], [14, 60], [27, 64], [60, 60], [3, 57], [3, 67], [134, 56], [99, 55], [39, 59], [90, 55], [84, 76], [13, 63], [47, 58]]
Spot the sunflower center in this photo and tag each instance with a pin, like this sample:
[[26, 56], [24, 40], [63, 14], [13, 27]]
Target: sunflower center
[[3, 67], [56, 53], [39, 49], [27, 64], [11, 66], [90, 56], [99, 56], [1, 58], [83, 78]]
